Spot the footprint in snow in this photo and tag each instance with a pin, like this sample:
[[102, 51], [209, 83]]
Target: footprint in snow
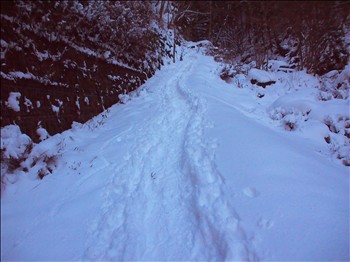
[[251, 192], [265, 223]]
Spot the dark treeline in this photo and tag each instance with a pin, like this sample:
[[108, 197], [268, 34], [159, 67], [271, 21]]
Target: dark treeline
[[309, 33]]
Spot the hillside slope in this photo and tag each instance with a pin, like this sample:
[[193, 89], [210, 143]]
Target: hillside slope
[[65, 61]]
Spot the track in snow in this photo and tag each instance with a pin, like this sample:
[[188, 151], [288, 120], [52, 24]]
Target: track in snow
[[165, 199]]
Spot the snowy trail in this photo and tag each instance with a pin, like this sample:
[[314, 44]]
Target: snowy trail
[[168, 176], [180, 172]]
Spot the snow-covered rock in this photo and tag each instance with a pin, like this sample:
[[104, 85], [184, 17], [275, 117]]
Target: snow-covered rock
[[261, 78]]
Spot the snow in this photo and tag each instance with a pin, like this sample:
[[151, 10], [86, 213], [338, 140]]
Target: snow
[[13, 101], [114, 61], [336, 84], [344, 75], [276, 65], [77, 103], [3, 43], [18, 74], [86, 100], [42, 56], [84, 50], [28, 103], [6, 17], [189, 167], [13, 142], [56, 109], [42, 133], [203, 43], [21, 75], [114, 78], [107, 54], [260, 75]]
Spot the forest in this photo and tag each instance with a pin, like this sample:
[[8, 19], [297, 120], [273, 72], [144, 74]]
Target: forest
[[309, 33]]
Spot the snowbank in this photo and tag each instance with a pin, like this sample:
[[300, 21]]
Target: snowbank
[[316, 108]]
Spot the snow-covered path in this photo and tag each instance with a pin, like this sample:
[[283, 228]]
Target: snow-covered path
[[164, 200], [180, 173]]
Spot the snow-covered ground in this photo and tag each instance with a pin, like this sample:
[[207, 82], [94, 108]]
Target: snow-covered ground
[[189, 168]]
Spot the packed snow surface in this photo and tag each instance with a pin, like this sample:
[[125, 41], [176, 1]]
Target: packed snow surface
[[188, 168]]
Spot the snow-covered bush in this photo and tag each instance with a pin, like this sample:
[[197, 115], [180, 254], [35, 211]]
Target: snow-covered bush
[[311, 106], [123, 98], [335, 84], [227, 73], [42, 133], [13, 101], [15, 148], [43, 158], [235, 73], [278, 65], [19, 155], [239, 80], [290, 117], [339, 137]]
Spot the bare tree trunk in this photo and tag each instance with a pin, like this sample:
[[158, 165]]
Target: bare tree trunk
[[223, 26], [161, 11], [174, 18], [210, 20], [174, 47], [168, 10]]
